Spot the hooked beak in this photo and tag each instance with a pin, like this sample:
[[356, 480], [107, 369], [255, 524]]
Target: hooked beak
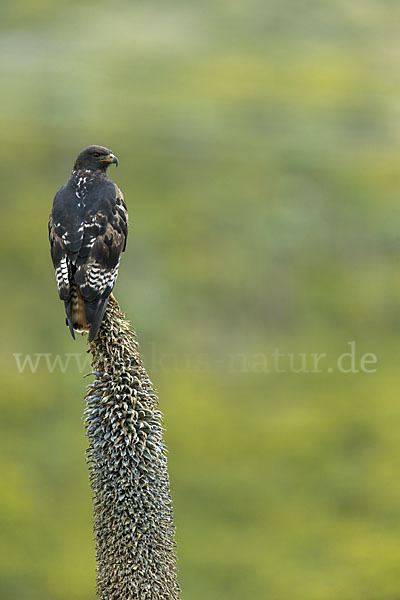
[[111, 158]]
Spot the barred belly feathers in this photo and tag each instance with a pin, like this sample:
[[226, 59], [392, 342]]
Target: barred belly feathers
[[88, 227]]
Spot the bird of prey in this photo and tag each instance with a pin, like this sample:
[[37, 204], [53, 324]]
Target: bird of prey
[[88, 227]]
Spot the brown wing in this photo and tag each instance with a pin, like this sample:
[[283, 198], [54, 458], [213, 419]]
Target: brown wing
[[62, 266], [97, 272]]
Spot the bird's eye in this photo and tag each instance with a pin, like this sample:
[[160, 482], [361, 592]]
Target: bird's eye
[[96, 154]]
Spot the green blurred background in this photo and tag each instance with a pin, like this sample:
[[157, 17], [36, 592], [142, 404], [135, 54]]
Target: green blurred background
[[259, 157]]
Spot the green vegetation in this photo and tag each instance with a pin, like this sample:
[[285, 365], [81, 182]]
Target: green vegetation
[[259, 157]]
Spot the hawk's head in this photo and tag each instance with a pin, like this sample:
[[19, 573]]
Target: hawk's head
[[95, 158]]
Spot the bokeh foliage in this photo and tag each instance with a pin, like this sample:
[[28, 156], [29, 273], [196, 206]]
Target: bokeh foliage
[[258, 147]]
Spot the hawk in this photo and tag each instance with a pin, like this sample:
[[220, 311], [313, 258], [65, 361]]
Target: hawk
[[88, 227]]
